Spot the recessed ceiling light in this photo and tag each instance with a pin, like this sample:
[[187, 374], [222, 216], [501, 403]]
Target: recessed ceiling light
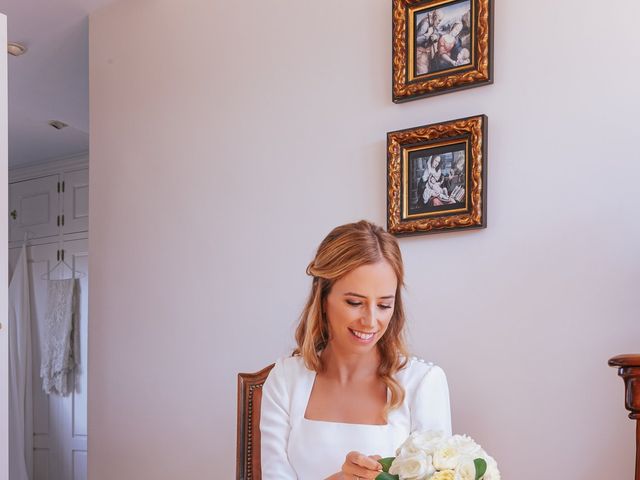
[[16, 49], [57, 124]]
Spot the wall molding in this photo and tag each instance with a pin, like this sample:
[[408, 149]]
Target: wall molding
[[49, 167]]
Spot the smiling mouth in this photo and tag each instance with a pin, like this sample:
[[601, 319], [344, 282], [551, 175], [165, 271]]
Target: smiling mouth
[[363, 336]]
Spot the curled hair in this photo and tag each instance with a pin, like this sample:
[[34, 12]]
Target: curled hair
[[346, 248]]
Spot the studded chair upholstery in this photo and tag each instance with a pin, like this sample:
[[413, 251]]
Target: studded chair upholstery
[[248, 446]]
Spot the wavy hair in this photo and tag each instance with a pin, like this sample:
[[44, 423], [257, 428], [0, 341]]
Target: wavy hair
[[346, 248]]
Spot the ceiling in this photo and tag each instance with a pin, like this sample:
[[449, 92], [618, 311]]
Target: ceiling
[[50, 81]]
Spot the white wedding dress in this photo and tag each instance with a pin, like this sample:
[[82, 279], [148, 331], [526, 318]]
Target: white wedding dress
[[294, 447]]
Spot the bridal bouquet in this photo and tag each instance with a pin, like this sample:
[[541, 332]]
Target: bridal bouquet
[[433, 456]]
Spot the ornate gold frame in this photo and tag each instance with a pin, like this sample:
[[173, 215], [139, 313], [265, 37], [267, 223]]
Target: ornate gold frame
[[471, 131], [408, 86]]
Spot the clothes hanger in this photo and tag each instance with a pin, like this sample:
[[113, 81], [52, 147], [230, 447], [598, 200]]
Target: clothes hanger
[[47, 274]]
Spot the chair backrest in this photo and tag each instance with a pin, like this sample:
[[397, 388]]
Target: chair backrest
[[629, 369], [248, 445]]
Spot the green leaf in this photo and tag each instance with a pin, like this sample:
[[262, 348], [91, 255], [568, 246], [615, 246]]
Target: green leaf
[[386, 463], [481, 467], [387, 476]]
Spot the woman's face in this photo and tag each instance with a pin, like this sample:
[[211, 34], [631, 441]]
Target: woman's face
[[359, 307], [436, 162]]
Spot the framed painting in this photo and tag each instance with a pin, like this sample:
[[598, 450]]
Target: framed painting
[[440, 46], [436, 177]]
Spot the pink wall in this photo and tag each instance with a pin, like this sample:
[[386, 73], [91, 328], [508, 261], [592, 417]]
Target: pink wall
[[228, 137]]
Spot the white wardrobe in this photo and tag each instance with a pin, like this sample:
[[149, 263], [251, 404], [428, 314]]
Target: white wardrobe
[[50, 203]]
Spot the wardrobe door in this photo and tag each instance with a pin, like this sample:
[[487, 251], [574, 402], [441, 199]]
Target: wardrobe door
[[34, 206], [76, 254], [75, 193], [60, 440], [47, 426]]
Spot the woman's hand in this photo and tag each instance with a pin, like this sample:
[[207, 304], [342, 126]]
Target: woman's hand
[[358, 465]]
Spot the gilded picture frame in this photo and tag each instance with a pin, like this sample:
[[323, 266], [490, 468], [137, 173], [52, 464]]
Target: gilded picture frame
[[436, 177], [441, 46]]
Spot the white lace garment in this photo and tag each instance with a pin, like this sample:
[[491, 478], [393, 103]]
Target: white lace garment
[[60, 340]]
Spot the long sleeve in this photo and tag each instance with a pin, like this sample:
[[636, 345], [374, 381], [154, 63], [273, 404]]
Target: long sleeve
[[430, 409], [275, 426]]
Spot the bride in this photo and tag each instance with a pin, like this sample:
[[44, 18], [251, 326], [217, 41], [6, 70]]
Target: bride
[[349, 394]]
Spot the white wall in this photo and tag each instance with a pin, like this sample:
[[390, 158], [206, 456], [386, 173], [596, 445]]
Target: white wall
[[227, 138], [4, 255]]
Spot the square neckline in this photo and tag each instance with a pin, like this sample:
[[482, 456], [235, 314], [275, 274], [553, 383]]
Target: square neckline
[[311, 381]]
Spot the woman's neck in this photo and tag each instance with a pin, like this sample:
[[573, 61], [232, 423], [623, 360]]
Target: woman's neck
[[346, 367]]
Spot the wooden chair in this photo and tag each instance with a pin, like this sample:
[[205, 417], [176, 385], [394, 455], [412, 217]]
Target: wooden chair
[[629, 370], [248, 441]]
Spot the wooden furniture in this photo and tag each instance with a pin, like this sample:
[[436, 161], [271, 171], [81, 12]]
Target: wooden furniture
[[248, 441], [629, 370]]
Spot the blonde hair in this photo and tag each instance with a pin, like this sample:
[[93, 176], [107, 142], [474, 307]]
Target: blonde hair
[[346, 248]]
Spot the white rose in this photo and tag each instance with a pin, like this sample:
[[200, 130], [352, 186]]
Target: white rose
[[492, 472], [420, 442], [427, 441], [412, 467], [407, 448], [446, 456], [466, 469], [466, 446]]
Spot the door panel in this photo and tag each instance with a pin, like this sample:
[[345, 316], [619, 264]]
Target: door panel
[[35, 204], [76, 201], [79, 465]]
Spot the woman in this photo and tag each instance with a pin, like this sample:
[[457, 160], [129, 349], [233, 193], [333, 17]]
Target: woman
[[349, 394], [434, 194], [444, 58]]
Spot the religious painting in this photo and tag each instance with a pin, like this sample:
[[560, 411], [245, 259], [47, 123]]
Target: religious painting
[[436, 177], [440, 46]]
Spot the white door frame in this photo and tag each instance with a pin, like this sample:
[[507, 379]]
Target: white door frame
[[4, 256]]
